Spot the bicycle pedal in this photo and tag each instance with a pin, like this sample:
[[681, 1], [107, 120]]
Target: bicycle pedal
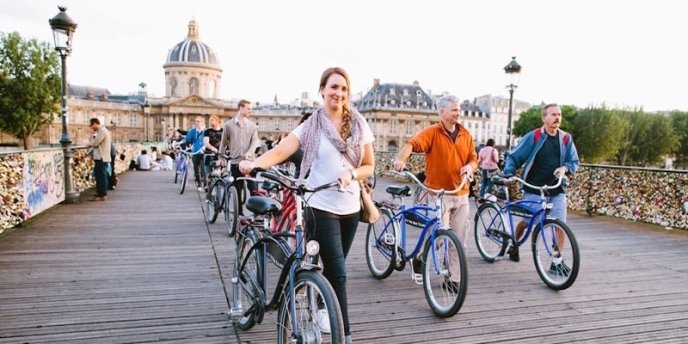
[[389, 239], [417, 278], [235, 313]]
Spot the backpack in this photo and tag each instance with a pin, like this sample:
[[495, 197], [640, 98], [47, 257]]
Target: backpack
[[538, 134]]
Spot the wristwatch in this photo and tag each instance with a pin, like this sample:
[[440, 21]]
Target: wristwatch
[[354, 175]]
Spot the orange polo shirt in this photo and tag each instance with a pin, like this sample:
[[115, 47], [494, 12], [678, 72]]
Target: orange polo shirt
[[444, 158]]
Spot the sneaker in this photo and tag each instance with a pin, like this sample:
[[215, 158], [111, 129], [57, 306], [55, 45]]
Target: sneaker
[[513, 254], [450, 286], [322, 319], [417, 274], [559, 269]]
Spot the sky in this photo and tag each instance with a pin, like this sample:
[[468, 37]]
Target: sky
[[620, 54]]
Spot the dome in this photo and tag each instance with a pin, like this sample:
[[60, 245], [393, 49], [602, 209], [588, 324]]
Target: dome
[[192, 50]]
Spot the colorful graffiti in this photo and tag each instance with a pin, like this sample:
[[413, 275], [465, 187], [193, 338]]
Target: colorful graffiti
[[43, 180]]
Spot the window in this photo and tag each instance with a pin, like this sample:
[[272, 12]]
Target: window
[[132, 119], [409, 127], [393, 126]]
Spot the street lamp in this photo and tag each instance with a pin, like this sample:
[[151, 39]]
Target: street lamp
[[144, 110], [114, 131], [513, 72], [63, 28]]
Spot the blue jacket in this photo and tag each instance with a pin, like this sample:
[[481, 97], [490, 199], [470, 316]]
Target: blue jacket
[[527, 148], [196, 137]]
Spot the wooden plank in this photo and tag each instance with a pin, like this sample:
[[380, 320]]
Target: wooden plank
[[152, 271]]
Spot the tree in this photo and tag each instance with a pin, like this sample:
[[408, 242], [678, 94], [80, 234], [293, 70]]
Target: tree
[[680, 123], [648, 139], [598, 133], [532, 118], [29, 85]]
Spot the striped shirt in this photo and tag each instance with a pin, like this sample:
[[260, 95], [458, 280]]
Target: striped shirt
[[239, 138]]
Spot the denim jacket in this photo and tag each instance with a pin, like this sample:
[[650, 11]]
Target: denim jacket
[[527, 148], [196, 137]]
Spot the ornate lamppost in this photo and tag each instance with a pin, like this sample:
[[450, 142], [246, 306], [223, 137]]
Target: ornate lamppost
[[63, 28], [513, 73]]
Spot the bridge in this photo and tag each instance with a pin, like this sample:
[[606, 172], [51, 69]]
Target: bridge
[[145, 267]]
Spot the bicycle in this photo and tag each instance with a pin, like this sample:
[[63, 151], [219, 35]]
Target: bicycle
[[183, 166], [299, 288], [549, 241], [386, 248]]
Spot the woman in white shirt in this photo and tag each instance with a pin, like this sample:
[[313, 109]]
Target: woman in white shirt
[[337, 144]]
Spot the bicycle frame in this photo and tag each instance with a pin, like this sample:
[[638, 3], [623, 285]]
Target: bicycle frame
[[295, 258], [536, 212], [432, 223]]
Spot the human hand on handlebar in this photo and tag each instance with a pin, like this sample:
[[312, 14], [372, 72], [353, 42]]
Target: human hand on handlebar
[[246, 166], [398, 165], [561, 171]]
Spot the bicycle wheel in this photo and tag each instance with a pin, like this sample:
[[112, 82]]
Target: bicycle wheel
[[213, 200], [488, 224], [176, 172], [231, 210], [445, 273], [184, 178], [555, 253], [247, 286], [380, 244], [313, 298]]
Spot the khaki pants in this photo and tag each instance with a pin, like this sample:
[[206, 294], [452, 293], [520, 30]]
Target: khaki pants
[[455, 210]]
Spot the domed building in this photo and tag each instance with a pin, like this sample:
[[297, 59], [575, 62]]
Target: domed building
[[192, 68]]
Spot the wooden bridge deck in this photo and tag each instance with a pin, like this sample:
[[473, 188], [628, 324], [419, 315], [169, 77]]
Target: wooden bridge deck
[[144, 267]]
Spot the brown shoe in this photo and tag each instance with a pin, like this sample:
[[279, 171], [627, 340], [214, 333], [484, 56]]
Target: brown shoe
[[98, 199]]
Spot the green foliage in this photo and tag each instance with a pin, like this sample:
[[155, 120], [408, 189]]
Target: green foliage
[[680, 123], [29, 85], [598, 133], [648, 138], [532, 118]]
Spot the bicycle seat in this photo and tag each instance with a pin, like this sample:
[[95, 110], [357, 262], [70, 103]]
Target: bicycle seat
[[270, 186], [398, 190], [262, 205]]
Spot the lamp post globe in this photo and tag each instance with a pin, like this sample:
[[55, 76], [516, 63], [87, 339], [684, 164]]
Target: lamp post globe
[[63, 30], [513, 73]]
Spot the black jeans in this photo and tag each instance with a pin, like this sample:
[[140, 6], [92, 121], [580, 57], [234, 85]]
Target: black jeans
[[100, 172], [198, 168], [335, 234], [239, 184]]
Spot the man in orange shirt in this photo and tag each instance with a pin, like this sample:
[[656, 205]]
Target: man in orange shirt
[[449, 154]]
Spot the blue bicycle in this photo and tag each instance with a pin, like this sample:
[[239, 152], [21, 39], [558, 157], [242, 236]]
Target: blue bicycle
[[182, 166], [554, 247], [443, 261]]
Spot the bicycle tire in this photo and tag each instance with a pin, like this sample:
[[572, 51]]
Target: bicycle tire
[[248, 283], [380, 251], [557, 275], [231, 210], [487, 220], [184, 177], [444, 296], [213, 199], [176, 173], [308, 285]]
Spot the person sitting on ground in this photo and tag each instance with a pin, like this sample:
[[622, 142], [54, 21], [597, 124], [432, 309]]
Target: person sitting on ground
[[143, 161]]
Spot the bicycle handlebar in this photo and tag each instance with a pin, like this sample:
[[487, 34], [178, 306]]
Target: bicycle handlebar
[[503, 180], [407, 173], [298, 186]]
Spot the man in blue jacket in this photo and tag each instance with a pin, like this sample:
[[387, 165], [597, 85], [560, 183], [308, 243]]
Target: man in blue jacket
[[195, 135], [547, 152]]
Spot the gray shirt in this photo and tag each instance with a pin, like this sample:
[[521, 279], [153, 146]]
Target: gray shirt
[[239, 138]]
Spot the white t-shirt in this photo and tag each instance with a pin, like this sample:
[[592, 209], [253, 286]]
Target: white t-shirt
[[144, 162], [328, 164]]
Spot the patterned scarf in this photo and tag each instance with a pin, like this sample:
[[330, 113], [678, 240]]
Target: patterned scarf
[[320, 123]]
